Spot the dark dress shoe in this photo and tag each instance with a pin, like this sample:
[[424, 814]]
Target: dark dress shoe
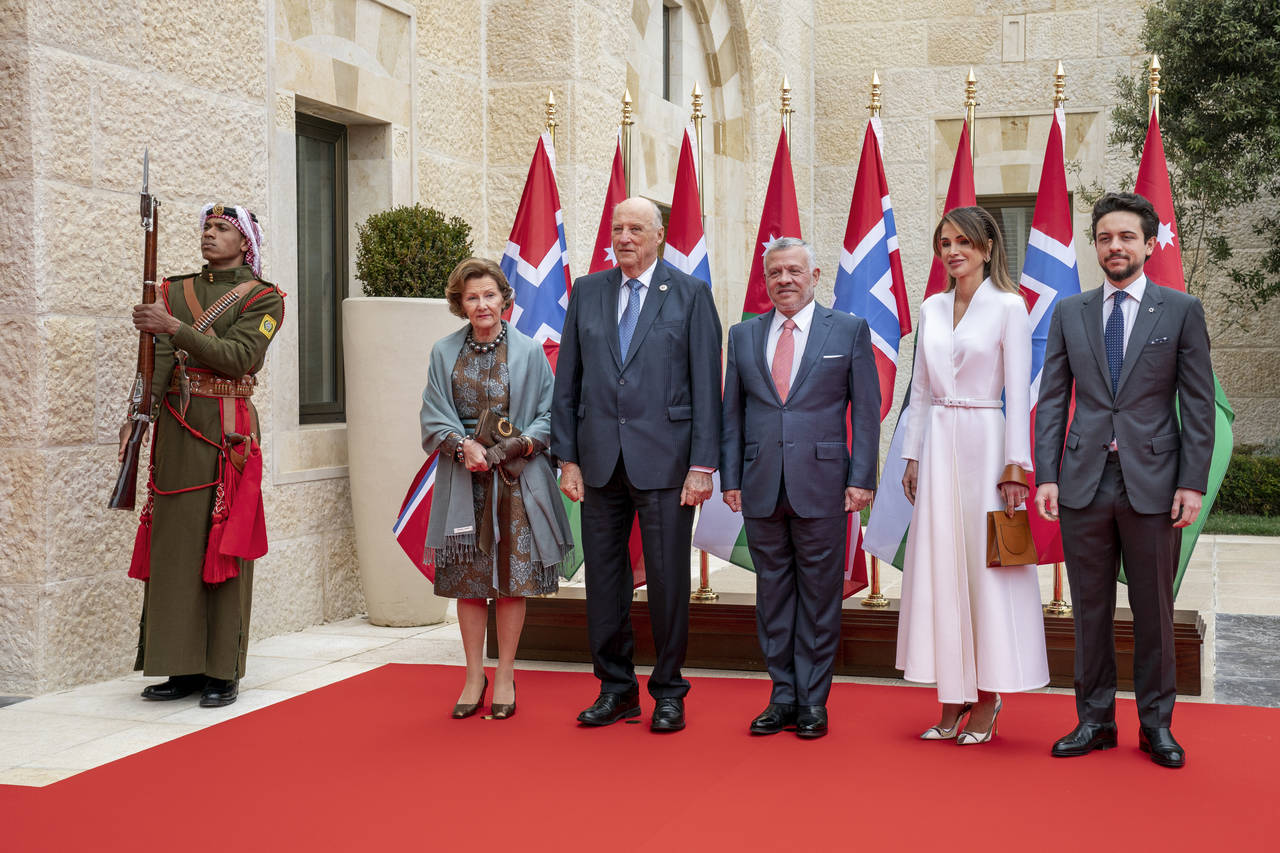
[[774, 719], [219, 692], [611, 707], [668, 716], [1164, 750], [177, 687], [811, 720], [463, 710], [1084, 739]]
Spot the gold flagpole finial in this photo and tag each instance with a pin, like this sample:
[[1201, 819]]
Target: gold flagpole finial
[[971, 111], [551, 116], [874, 106], [786, 107], [696, 117], [1059, 86], [628, 120], [1153, 88]]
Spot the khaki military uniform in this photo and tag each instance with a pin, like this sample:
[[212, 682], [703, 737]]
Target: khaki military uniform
[[188, 626]]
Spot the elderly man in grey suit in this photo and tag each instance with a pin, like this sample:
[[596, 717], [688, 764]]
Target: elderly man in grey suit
[[785, 464], [635, 421], [1127, 471]]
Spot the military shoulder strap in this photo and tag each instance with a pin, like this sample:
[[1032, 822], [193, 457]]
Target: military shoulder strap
[[204, 317]]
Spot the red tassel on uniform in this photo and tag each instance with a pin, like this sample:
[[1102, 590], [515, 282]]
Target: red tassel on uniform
[[217, 566], [245, 534], [140, 565]]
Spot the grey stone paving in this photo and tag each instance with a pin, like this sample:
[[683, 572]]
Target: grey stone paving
[[1247, 652]]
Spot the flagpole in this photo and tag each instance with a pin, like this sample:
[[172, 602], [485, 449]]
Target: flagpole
[[1058, 606], [551, 117], [971, 111], [875, 598], [627, 123], [704, 592], [1153, 88], [697, 118], [786, 107]]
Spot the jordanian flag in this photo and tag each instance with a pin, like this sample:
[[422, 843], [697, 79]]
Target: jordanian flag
[[891, 513], [1165, 267]]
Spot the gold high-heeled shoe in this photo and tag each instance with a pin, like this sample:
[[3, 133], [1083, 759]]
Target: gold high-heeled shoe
[[968, 738], [504, 710], [461, 711], [939, 733]]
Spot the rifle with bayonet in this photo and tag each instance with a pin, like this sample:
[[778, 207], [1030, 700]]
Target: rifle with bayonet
[[140, 403]]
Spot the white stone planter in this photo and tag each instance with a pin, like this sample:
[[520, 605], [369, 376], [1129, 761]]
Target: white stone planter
[[386, 343]]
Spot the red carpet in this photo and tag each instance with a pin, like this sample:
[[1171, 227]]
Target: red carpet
[[374, 763]]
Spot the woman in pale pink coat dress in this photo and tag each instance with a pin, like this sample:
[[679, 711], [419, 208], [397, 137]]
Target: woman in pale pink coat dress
[[975, 631]]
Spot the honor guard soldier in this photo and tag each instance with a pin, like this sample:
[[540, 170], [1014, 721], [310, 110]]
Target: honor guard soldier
[[202, 524]]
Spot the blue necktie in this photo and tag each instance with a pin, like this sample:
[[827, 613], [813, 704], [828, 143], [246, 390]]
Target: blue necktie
[[630, 316], [1113, 334]]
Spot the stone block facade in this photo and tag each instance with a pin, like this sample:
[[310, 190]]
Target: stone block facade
[[443, 100]]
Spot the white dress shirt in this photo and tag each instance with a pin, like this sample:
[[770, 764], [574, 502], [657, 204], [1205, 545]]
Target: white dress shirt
[[1128, 308], [800, 335], [624, 292]]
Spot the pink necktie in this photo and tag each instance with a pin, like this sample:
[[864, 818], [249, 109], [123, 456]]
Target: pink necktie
[[782, 357]]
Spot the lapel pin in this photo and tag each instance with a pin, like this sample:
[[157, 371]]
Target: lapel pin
[[1151, 309], [662, 287]]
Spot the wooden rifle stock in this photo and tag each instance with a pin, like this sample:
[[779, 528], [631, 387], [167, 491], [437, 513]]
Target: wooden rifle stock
[[125, 491]]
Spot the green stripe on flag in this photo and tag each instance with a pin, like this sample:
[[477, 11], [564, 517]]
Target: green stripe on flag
[[1223, 442], [741, 555], [574, 510]]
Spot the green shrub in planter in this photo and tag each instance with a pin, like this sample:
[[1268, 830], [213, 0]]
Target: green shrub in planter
[[410, 251], [1252, 483]]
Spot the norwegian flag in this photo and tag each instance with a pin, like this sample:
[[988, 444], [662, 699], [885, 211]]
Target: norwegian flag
[[536, 261], [780, 218], [869, 282], [891, 513], [686, 248], [960, 193], [1165, 267], [602, 256], [1049, 275], [410, 528]]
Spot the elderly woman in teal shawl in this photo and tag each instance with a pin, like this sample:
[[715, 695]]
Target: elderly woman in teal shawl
[[498, 528]]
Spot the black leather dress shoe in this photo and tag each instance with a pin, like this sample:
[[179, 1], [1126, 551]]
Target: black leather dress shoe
[[177, 687], [668, 716], [1084, 739], [219, 692], [774, 719], [811, 720], [1164, 750], [611, 707]]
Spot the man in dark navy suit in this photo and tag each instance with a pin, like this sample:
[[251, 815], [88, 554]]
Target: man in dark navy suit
[[785, 463], [635, 422]]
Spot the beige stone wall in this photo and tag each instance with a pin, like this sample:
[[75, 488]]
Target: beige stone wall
[[444, 100]]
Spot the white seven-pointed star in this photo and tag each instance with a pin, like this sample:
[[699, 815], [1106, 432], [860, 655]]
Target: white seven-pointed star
[[1165, 235], [765, 245]]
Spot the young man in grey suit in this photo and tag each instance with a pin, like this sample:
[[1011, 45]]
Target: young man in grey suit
[[1127, 474], [635, 421], [785, 464]]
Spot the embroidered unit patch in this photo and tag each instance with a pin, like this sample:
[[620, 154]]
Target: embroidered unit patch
[[267, 326]]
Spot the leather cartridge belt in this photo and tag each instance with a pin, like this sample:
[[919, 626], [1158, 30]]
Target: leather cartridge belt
[[205, 384], [966, 403]]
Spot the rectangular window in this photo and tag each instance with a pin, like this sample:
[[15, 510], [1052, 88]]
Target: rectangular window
[[1013, 213], [672, 51], [322, 268]]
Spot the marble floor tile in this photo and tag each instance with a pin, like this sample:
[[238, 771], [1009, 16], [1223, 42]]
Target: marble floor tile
[[28, 736], [35, 777], [321, 676], [360, 626], [323, 647], [262, 669], [250, 700], [1262, 692], [115, 746], [1247, 646], [122, 704], [437, 649]]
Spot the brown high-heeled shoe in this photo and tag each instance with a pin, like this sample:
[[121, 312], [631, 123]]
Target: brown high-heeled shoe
[[505, 710], [461, 712]]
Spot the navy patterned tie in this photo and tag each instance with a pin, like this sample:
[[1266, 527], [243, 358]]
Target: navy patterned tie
[[1113, 334], [630, 315]]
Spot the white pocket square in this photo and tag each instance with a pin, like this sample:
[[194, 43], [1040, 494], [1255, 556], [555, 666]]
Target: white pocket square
[[837, 355]]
